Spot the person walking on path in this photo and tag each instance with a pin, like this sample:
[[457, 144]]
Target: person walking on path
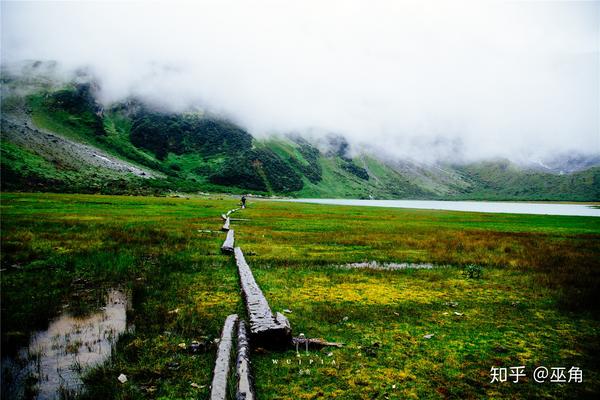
[[243, 201]]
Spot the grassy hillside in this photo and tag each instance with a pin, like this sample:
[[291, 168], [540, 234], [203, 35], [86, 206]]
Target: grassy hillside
[[193, 152], [535, 304], [503, 180]]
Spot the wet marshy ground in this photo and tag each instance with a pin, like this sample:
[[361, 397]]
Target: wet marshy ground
[[407, 333], [53, 363]]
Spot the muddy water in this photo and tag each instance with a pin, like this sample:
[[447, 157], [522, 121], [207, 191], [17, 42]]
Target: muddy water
[[59, 356]]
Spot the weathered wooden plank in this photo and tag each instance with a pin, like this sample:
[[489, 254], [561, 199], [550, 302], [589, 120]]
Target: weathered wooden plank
[[226, 225], [228, 243], [218, 390], [223, 217], [266, 329], [231, 211], [244, 389]]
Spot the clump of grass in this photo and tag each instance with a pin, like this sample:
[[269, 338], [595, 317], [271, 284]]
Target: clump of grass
[[473, 271]]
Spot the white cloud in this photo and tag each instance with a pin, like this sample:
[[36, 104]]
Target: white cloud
[[418, 78]]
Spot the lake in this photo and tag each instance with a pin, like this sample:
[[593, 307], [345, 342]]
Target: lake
[[470, 206]]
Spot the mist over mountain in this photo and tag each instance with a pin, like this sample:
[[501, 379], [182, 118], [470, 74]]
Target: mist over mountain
[[57, 135], [425, 82]]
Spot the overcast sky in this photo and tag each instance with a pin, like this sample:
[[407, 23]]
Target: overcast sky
[[424, 79]]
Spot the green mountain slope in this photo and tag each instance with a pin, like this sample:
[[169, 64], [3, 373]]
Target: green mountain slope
[[61, 139], [503, 180]]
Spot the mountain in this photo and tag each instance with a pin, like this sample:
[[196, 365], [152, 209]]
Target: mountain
[[565, 163], [59, 138]]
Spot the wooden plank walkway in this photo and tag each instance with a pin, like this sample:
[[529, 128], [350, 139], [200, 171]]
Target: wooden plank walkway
[[266, 329], [222, 365], [244, 390], [226, 225], [227, 246]]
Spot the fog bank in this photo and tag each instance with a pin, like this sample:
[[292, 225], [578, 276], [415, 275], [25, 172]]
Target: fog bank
[[426, 80]]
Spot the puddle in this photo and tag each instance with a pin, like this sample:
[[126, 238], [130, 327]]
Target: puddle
[[56, 358], [388, 266]]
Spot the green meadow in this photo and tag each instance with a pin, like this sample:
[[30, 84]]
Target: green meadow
[[427, 333]]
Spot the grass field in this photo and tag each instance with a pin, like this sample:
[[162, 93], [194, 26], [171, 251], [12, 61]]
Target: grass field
[[535, 304]]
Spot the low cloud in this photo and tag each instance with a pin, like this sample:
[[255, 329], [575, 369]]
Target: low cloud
[[426, 80]]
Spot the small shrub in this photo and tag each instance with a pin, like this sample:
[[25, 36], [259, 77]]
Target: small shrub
[[473, 271]]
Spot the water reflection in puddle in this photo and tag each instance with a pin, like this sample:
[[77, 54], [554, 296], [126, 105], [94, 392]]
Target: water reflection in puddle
[[387, 266], [58, 356]]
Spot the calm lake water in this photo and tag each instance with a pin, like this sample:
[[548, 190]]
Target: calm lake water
[[470, 206]]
